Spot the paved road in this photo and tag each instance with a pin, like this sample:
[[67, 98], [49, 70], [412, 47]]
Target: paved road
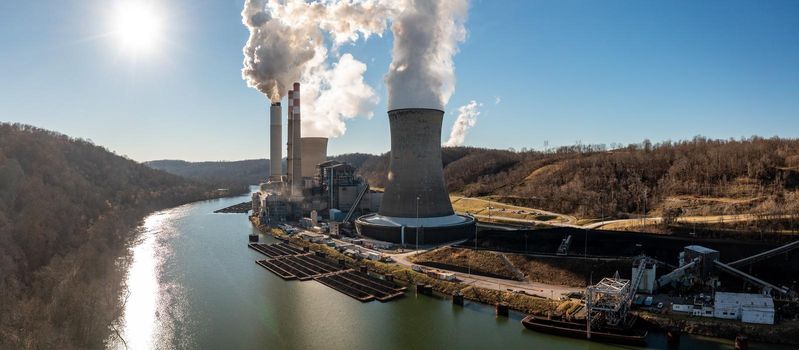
[[711, 219], [526, 221], [533, 288], [569, 219]]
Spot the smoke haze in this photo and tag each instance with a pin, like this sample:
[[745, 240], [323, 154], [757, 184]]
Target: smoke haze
[[467, 118]]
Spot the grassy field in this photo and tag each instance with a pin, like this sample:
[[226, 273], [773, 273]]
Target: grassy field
[[480, 261], [487, 206]]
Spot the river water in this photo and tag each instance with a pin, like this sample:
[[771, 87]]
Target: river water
[[193, 284]]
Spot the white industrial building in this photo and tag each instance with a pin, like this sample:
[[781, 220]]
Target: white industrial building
[[749, 308]]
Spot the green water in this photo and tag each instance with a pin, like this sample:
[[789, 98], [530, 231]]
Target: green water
[[193, 284]]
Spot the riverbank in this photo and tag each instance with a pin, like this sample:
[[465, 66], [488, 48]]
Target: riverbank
[[786, 332], [516, 301]]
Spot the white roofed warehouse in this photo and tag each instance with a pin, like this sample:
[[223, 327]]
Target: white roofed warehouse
[[749, 308]]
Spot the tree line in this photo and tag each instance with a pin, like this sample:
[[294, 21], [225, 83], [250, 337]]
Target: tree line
[[620, 181], [67, 213]]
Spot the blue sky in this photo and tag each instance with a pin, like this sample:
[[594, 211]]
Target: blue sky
[[564, 71]]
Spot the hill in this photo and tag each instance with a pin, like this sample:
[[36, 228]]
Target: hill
[[236, 173], [695, 177], [227, 174], [67, 209]]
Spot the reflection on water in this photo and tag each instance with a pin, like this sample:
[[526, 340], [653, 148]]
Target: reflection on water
[[150, 302], [141, 303], [142, 282]]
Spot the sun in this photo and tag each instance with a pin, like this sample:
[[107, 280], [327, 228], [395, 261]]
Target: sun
[[137, 26]]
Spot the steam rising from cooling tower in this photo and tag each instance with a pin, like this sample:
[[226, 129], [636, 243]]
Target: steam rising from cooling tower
[[420, 82], [426, 35]]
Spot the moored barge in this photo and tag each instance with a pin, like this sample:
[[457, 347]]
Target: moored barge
[[625, 336]]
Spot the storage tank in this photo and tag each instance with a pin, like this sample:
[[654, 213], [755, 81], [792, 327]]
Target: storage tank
[[314, 151]]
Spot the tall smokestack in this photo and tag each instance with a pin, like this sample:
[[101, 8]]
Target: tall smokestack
[[290, 138], [296, 165], [275, 147]]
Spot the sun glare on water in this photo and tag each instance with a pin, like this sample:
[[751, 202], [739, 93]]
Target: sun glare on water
[[137, 26]]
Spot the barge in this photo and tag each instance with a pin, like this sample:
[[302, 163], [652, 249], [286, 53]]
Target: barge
[[624, 336]]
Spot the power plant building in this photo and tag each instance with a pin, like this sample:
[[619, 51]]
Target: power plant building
[[314, 152], [311, 184]]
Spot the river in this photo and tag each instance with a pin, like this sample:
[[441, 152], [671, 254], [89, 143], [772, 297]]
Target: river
[[192, 284]]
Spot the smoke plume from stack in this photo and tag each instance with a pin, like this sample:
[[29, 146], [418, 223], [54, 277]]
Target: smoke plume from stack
[[276, 53], [467, 118], [426, 37], [287, 44]]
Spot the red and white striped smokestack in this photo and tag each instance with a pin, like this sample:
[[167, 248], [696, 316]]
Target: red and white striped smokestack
[[290, 137], [296, 170]]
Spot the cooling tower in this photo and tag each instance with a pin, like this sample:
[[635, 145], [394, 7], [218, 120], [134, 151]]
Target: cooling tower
[[275, 151], [416, 194], [314, 151]]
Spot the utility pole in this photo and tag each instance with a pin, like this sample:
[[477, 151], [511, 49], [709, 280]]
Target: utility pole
[[417, 224], [645, 205], [525, 242], [588, 314]]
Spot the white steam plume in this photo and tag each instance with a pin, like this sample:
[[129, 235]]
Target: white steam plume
[[467, 118], [426, 36], [275, 53], [287, 44]]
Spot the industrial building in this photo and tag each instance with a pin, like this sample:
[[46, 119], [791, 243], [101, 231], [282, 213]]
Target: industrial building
[[415, 205], [310, 184], [748, 308], [416, 201]]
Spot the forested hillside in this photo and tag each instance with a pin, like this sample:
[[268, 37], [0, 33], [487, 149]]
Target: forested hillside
[[695, 177], [227, 174], [237, 173], [67, 209], [700, 176]]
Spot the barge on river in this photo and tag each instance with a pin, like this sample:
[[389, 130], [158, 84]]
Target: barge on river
[[625, 336]]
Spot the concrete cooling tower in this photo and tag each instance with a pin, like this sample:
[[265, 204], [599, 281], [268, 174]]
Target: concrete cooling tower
[[416, 195], [314, 151]]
